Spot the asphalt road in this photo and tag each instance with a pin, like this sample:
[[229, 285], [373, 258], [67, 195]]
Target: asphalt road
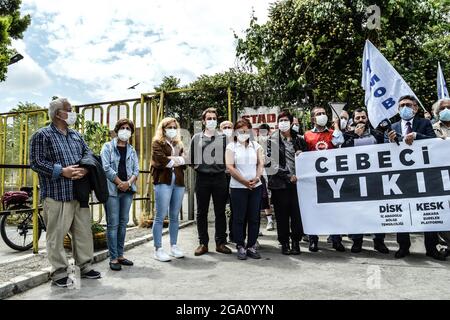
[[324, 275]]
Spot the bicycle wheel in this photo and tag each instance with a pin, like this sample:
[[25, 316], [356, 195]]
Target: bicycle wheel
[[17, 229]]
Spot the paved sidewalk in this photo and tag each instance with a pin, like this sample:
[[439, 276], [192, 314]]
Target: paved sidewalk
[[323, 275]]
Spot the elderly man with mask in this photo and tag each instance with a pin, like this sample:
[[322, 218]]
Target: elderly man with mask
[[441, 110], [409, 129], [55, 152]]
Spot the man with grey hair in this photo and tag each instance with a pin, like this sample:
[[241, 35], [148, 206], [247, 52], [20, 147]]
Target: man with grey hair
[[55, 152], [441, 111]]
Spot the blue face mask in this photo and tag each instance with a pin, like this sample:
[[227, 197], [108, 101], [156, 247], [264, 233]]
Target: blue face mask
[[407, 113], [444, 115]]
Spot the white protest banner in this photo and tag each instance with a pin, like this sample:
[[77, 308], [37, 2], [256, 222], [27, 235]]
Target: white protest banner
[[384, 86], [260, 115], [382, 188]]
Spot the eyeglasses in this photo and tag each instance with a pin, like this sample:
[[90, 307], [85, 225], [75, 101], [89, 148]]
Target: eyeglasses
[[408, 105]]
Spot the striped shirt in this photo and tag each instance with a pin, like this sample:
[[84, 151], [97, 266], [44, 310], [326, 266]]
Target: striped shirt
[[51, 151]]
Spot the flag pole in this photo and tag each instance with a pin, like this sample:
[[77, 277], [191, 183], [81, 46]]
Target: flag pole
[[422, 105]]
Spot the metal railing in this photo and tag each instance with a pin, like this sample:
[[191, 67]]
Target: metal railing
[[146, 112]]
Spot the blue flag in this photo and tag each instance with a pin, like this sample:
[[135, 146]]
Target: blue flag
[[441, 84]]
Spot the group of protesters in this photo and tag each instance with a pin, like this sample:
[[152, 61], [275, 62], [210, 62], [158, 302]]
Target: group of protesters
[[231, 162]]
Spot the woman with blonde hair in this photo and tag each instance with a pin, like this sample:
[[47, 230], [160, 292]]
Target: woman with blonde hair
[[167, 169]]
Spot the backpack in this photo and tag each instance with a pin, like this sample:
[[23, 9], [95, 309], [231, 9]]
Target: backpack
[[14, 197]]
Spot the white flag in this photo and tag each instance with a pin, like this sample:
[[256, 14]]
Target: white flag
[[441, 85], [384, 86]]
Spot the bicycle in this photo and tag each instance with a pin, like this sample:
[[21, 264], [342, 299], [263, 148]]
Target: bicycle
[[16, 224]]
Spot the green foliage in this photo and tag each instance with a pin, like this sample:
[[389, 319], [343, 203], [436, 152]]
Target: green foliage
[[12, 26], [320, 44], [96, 135], [248, 89], [97, 228]]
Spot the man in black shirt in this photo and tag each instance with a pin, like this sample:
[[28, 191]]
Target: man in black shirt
[[207, 154]]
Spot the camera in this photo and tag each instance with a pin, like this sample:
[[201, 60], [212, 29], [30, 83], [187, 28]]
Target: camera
[[385, 127]]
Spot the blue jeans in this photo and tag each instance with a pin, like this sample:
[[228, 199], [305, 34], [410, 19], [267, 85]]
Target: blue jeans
[[117, 216], [169, 199]]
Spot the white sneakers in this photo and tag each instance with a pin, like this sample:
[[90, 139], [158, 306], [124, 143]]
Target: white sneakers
[[162, 256], [270, 226], [176, 252]]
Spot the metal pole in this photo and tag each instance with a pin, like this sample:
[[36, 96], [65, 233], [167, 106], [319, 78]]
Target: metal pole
[[3, 157], [21, 147], [35, 214], [141, 151], [133, 141]]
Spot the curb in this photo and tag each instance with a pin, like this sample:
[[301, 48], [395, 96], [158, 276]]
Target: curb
[[34, 279]]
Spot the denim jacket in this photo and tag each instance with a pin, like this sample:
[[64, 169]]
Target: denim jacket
[[110, 160]]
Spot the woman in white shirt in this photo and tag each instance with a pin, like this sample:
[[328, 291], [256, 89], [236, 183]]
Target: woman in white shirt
[[245, 162]]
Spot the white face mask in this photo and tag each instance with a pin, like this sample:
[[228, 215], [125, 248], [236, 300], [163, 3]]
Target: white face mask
[[211, 124], [344, 123], [284, 126], [71, 118], [228, 132], [243, 137], [124, 135], [322, 120], [171, 133], [296, 128]]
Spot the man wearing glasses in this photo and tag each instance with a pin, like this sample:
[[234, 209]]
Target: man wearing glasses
[[409, 129]]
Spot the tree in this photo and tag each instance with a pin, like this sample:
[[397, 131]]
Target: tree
[[12, 26], [248, 89], [320, 44]]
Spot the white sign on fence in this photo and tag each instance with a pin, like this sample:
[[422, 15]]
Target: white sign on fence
[[376, 189]]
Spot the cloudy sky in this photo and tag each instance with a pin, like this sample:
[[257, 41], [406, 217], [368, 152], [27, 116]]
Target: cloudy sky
[[93, 50]]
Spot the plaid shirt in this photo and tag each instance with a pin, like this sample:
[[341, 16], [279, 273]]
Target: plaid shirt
[[50, 152]]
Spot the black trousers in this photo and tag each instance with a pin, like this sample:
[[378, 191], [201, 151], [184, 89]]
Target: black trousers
[[431, 240], [214, 185], [230, 221], [287, 213], [247, 207]]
